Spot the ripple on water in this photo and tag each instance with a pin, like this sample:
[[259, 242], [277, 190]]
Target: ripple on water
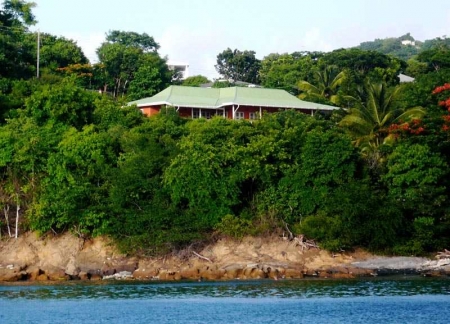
[[303, 289]]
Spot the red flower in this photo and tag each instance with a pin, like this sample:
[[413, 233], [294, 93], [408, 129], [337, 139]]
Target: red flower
[[441, 88]]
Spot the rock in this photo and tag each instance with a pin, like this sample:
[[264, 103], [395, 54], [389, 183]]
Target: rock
[[145, 274], [310, 273], [42, 277], [190, 273], [212, 274], [433, 273], [83, 275], [119, 276], [258, 274], [408, 264], [113, 268], [167, 275], [340, 275], [12, 274], [57, 275], [358, 272], [233, 271], [293, 274], [95, 277], [33, 273]]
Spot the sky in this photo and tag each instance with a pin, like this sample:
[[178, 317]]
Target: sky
[[196, 31]]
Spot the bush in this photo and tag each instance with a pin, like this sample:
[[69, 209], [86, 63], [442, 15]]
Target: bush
[[235, 227], [325, 229]]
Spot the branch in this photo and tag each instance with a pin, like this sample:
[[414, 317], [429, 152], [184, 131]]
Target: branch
[[201, 257]]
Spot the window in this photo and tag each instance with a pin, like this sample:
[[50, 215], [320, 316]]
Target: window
[[195, 113], [253, 116], [239, 115]]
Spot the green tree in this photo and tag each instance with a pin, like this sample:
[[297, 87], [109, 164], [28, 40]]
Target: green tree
[[195, 81], [132, 39], [205, 176], [57, 52], [326, 87], [151, 77], [436, 58], [283, 71], [123, 55], [369, 122], [416, 178], [238, 66], [75, 186], [64, 103], [15, 57], [144, 218]]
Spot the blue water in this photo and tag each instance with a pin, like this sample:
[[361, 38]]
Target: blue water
[[405, 300]]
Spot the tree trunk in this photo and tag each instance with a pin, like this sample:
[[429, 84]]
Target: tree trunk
[[17, 220], [6, 211]]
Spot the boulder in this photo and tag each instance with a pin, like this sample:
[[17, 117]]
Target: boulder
[[233, 272], [190, 273], [15, 274], [95, 277], [212, 274], [83, 275], [123, 275], [33, 273], [42, 277], [167, 275], [57, 275], [145, 274], [293, 273]]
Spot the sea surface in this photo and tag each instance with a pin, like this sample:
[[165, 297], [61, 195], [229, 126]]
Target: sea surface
[[377, 300]]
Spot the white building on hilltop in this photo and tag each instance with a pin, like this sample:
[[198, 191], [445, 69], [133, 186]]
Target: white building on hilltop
[[182, 67]]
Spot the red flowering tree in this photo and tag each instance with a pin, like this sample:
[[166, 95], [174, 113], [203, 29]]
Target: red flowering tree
[[437, 123], [444, 95]]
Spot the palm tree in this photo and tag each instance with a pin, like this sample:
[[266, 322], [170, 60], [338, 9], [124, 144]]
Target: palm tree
[[368, 122], [327, 85]]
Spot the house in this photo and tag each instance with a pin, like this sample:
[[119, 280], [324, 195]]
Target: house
[[405, 78], [408, 42], [232, 103], [181, 67]]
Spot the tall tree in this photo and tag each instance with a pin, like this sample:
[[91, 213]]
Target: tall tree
[[369, 121], [238, 66], [283, 71], [123, 54], [132, 39], [325, 87], [15, 18]]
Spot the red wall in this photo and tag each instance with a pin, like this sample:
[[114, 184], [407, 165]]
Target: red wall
[[187, 112], [150, 111]]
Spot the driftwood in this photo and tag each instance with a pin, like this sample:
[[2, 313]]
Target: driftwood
[[201, 257], [304, 243], [290, 235], [443, 255]]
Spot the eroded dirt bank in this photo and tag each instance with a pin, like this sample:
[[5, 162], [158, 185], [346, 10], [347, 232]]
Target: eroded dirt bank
[[67, 257]]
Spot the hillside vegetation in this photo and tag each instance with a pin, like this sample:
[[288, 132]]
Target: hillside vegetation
[[373, 174]]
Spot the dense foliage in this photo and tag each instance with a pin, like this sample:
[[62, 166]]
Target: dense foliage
[[374, 174]]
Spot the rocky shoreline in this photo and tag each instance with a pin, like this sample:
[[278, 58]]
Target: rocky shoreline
[[67, 257]]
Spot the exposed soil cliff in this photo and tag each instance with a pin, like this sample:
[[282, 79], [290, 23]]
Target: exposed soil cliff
[[67, 257]]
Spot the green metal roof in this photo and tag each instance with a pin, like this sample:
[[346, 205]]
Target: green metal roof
[[194, 97]]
